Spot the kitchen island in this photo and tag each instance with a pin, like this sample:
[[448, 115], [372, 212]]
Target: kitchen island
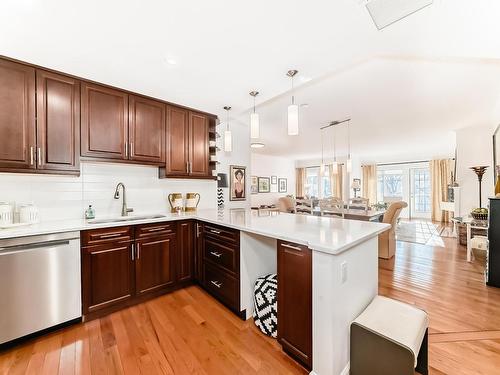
[[344, 265]]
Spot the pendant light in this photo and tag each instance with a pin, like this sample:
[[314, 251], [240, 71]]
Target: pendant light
[[228, 137], [335, 165], [349, 160], [293, 110], [322, 165], [254, 119]]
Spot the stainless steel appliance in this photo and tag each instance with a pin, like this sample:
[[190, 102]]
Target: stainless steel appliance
[[40, 283]]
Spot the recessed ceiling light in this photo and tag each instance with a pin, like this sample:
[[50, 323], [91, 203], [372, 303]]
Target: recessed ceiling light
[[256, 145], [172, 61]]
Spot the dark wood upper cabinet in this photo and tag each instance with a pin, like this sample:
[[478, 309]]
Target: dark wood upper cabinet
[[198, 150], [58, 122], [17, 116], [104, 122], [107, 275], [295, 301], [177, 161], [185, 251], [146, 129], [155, 263]]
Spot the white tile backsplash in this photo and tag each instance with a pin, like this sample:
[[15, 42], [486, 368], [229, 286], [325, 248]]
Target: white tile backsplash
[[66, 197]]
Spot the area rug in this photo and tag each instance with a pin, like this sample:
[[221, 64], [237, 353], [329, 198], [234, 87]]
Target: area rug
[[421, 232]]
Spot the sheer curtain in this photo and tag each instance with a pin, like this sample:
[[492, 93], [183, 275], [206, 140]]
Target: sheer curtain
[[370, 183], [300, 174], [336, 181], [440, 178]]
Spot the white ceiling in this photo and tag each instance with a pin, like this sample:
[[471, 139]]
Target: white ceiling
[[441, 72]]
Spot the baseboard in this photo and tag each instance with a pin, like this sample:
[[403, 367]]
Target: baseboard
[[345, 371]]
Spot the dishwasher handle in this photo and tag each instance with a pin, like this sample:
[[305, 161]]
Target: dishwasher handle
[[33, 246]]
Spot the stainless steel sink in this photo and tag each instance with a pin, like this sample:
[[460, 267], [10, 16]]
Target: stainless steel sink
[[124, 218]]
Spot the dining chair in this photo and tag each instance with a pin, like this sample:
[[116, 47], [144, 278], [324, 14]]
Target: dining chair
[[331, 207], [359, 203], [304, 206]]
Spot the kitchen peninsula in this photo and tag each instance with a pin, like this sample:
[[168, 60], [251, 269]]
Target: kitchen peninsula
[[340, 256]]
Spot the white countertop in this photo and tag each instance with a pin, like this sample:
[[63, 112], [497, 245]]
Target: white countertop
[[325, 234]]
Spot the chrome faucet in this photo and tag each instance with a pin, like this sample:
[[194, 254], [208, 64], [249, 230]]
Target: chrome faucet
[[125, 210]]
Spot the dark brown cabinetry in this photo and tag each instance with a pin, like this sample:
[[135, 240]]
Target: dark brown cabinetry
[[185, 254], [221, 265], [295, 301], [104, 126], [58, 122], [187, 137], [46, 142]]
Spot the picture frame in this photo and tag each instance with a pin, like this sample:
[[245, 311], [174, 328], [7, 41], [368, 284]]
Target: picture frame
[[237, 183], [282, 185], [264, 184], [274, 180], [254, 185], [274, 188]]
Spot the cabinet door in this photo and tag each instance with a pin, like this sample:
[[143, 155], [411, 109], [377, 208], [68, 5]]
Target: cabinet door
[[185, 251], [146, 130], [198, 150], [295, 301], [155, 263], [104, 127], [177, 138], [17, 116], [58, 122], [107, 276]]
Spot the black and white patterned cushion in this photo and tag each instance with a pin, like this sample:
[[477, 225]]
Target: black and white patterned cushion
[[265, 299]]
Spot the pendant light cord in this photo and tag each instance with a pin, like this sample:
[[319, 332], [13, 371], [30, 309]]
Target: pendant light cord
[[349, 139]]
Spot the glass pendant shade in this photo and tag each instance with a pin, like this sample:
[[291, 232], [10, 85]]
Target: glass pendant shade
[[228, 141], [293, 119], [335, 168], [254, 125], [349, 165], [322, 169]]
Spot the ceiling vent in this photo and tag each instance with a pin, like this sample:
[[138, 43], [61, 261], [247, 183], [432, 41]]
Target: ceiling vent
[[386, 12]]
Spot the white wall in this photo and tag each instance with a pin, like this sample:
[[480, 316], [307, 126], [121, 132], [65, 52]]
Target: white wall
[[474, 148], [239, 156], [267, 166], [66, 197]]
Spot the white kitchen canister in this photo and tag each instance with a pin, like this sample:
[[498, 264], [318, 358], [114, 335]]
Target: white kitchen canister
[[6, 213], [28, 214]]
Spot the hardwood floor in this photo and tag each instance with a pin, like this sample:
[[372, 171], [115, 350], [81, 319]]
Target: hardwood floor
[[464, 313], [188, 332]]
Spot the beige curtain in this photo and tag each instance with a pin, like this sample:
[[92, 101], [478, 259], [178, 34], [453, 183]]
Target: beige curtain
[[440, 178], [336, 181], [370, 183], [300, 181]]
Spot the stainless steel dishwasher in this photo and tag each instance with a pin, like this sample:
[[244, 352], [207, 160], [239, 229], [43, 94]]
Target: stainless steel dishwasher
[[39, 283]]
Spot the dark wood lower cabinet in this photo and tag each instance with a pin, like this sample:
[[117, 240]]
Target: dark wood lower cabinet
[[185, 252], [154, 263], [295, 301]]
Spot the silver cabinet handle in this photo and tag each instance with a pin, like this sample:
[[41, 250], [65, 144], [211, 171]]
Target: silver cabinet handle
[[187, 167], [291, 247], [215, 254], [126, 149], [110, 235], [218, 284], [32, 155], [133, 251], [131, 148], [39, 158], [214, 231], [158, 229], [138, 251], [198, 231], [190, 167]]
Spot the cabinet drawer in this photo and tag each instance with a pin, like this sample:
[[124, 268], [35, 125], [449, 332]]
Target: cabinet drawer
[[221, 255], [222, 285], [156, 229], [226, 235], [105, 235]]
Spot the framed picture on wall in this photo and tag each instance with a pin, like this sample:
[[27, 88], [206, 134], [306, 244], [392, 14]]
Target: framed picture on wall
[[254, 185], [274, 188], [282, 185], [264, 185], [274, 180], [238, 183]]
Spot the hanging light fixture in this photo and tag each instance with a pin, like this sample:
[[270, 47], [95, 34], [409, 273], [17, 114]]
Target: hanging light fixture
[[228, 137], [254, 119], [293, 110], [335, 165], [256, 145], [322, 165], [349, 160]]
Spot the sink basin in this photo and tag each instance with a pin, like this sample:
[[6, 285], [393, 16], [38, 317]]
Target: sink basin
[[124, 218]]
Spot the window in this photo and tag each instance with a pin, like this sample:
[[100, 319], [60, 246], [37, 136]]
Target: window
[[318, 186], [422, 190], [389, 184]]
